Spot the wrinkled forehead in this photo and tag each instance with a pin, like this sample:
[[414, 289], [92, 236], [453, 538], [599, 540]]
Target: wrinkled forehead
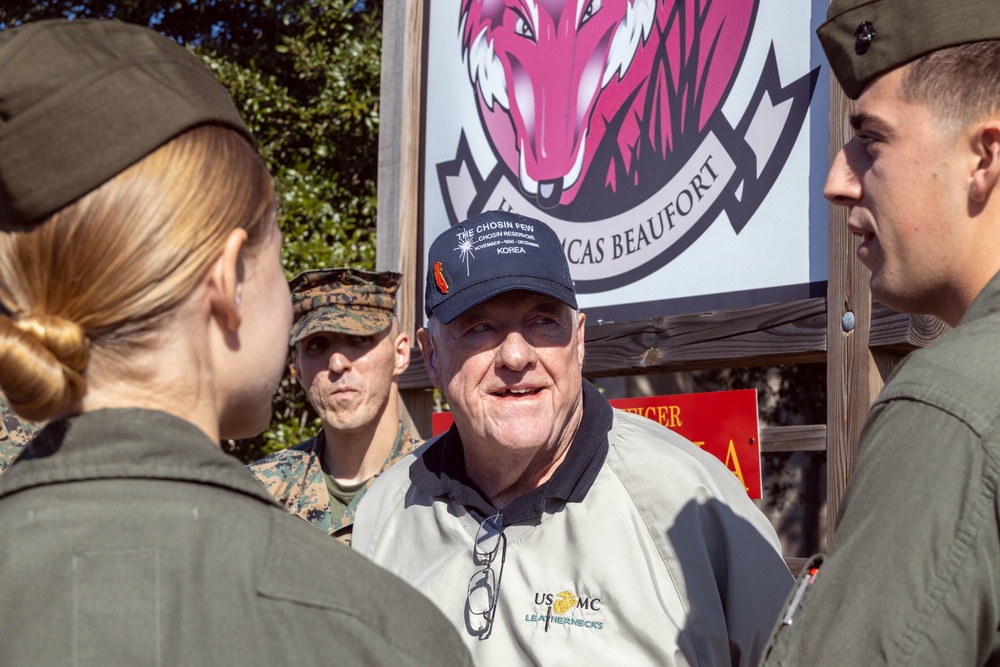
[[514, 303], [514, 306]]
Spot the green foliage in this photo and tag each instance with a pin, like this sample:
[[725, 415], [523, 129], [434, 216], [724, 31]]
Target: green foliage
[[305, 76], [314, 111], [240, 30], [315, 116]]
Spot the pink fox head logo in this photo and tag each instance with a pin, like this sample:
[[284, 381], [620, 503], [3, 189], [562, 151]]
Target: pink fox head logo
[[552, 76]]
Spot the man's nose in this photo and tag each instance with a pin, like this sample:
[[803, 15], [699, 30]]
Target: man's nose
[[842, 185], [339, 363], [515, 352]]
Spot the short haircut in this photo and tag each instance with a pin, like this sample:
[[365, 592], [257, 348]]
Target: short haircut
[[960, 83]]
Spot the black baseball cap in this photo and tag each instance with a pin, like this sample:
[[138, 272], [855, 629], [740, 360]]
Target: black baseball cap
[[492, 253]]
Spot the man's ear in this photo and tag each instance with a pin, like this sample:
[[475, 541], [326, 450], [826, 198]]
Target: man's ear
[[226, 280], [581, 346], [987, 173], [429, 354], [402, 344]]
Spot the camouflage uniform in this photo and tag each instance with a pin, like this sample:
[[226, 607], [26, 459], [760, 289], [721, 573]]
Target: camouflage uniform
[[346, 301], [294, 478], [15, 433]]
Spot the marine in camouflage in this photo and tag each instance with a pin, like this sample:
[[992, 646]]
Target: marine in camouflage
[[349, 301], [294, 478], [344, 301], [15, 434]]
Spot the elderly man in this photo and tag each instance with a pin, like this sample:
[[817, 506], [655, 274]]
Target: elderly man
[[913, 574], [348, 353], [550, 528]]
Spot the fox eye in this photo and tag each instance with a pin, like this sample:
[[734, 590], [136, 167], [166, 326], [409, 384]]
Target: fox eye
[[522, 28], [593, 7]]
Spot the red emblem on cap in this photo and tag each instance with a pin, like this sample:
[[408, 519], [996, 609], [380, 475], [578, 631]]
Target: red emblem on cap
[[439, 280]]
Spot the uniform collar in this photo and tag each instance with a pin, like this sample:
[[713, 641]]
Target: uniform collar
[[126, 443], [403, 444], [986, 302], [440, 470]]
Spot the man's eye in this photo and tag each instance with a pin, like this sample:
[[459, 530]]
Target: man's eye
[[362, 341], [864, 138], [544, 320], [317, 346], [482, 327]]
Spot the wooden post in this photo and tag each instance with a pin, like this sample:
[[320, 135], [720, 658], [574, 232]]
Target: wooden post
[[853, 377], [399, 173]]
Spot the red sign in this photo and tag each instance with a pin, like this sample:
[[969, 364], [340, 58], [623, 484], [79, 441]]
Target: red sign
[[723, 423]]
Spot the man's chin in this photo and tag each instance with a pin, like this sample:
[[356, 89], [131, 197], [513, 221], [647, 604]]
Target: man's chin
[[520, 442]]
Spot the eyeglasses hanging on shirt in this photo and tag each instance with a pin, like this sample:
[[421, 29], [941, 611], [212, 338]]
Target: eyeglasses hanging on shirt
[[484, 585]]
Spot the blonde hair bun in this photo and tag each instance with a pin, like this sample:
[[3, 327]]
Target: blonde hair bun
[[42, 364]]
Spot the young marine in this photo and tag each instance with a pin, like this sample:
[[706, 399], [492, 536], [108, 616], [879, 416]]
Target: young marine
[[912, 573], [348, 353]]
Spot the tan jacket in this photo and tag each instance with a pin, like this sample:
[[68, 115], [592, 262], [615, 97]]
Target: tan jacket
[[665, 561]]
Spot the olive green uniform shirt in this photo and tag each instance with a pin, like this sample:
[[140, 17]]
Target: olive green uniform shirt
[[294, 477], [913, 576], [130, 538]]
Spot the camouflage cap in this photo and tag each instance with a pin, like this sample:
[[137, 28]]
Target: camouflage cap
[[350, 301], [864, 39], [82, 100]]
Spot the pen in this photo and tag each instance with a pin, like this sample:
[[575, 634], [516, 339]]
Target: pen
[[799, 592]]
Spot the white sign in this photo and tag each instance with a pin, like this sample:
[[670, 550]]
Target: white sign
[[677, 147]]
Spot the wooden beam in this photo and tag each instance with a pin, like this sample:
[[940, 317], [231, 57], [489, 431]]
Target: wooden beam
[[791, 332], [796, 565], [775, 439], [898, 333], [399, 150]]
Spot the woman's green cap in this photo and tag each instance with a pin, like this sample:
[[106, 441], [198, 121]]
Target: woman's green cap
[[81, 101]]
